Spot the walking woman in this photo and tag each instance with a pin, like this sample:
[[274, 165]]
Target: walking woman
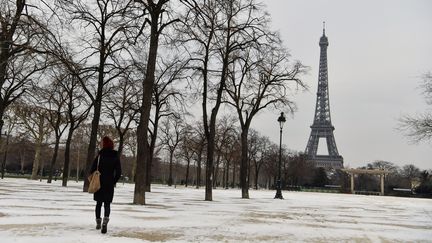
[[110, 169]]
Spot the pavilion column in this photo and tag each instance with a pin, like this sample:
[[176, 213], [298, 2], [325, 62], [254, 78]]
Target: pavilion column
[[352, 182], [382, 184]]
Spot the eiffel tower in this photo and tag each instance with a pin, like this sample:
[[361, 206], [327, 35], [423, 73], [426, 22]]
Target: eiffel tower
[[322, 126]]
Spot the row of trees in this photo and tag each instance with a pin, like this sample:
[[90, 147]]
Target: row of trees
[[408, 177], [73, 70], [182, 151]]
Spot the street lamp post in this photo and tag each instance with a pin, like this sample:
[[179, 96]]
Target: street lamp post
[[281, 121]]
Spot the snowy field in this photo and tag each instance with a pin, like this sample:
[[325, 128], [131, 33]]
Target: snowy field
[[33, 211]]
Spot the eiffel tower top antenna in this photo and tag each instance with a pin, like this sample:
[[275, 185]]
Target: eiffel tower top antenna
[[323, 27]]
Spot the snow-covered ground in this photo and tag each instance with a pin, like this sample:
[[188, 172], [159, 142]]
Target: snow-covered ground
[[33, 211]]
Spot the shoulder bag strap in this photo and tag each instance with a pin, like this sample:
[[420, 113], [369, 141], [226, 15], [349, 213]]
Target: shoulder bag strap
[[98, 163]]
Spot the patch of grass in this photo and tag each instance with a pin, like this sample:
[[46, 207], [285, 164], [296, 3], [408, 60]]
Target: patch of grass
[[153, 236]]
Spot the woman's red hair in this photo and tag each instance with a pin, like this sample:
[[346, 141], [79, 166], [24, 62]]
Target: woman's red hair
[[107, 143]]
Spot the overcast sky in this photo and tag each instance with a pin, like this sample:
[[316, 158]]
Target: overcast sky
[[377, 53]]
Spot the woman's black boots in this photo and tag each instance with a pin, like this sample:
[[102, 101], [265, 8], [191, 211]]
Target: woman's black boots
[[105, 225], [98, 223]]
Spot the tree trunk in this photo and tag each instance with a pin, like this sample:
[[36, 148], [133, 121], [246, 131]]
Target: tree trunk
[[3, 166], [223, 177], [210, 135], [121, 144], [133, 171], [227, 174], [142, 148], [78, 165], [41, 169], [4, 54], [149, 170], [198, 179], [93, 137], [170, 177], [187, 172], [210, 129], [67, 159], [209, 171], [36, 160], [1, 116], [5, 157], [256, 176], [248, 171], [151, 151], [53, 159], [234, 175], [216, 172], [97, 109], [21, 162], [142, 136], [244, 164], [38, 149], [150, 161]]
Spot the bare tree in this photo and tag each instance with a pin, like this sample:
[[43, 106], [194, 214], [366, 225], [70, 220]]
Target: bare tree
[[260, 78], [213, 30], [299, 169], [74, 81], [187, 151], [199, 147], [54, 98], [78, 144], [158, 18], [20, 33], [419, 127], [12, 122], [383, 165], [253, 150], [131, 147], [106, 26], [200, 26], [224, 134], [229, 151], [34, 123], [77, 110], [155, 10], [258, 158], [122, 104], [270, 163], [236, 158], [166, 98], [393, 177], [172, 133], [410, 172]]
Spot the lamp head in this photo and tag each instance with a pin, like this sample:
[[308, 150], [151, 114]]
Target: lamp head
[[281, 120]]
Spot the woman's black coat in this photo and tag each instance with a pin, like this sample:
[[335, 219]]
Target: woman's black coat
[[110, 169]]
